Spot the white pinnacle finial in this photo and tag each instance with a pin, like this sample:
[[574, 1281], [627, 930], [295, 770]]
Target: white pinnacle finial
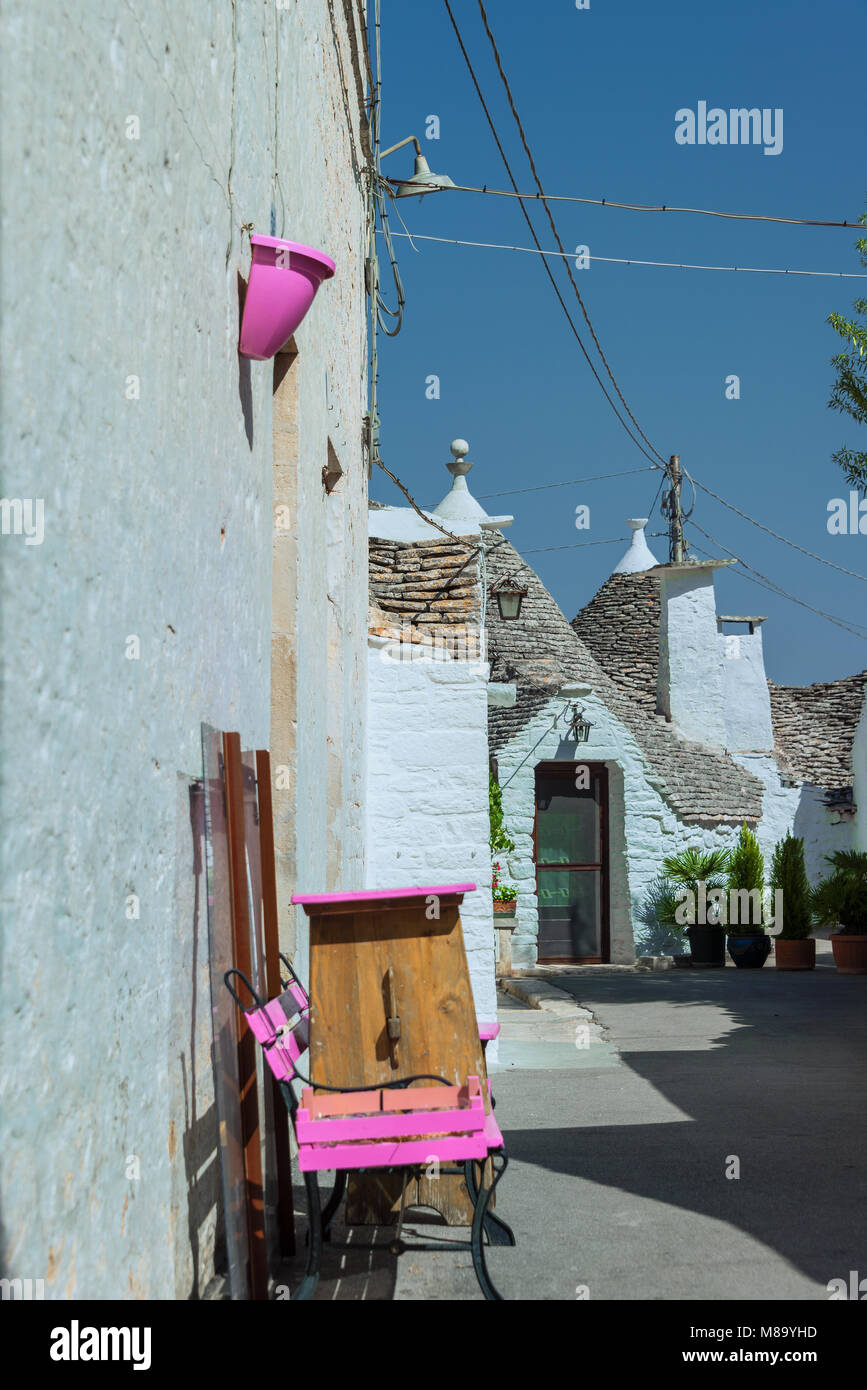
[[639, 556]]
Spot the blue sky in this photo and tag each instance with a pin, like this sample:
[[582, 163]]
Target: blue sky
[[597, 91]]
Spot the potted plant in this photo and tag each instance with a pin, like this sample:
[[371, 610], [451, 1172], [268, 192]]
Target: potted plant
[[841, 900], [697, 873], [504, 894], [747, 943], [794, 948]]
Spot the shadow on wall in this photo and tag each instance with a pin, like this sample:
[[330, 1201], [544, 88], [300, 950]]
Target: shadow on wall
[[783, 1089], [198, 1184], [245, 389], [820, 834]]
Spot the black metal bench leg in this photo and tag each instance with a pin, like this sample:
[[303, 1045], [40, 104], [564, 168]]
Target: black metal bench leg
[[329, 1211], [308, 1284], [498, 1231], [477, 1239]]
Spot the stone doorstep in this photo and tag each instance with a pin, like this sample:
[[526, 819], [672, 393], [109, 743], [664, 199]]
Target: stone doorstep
[[540, 994]]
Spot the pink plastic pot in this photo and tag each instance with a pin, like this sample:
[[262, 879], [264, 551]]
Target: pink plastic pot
[[284, 278]]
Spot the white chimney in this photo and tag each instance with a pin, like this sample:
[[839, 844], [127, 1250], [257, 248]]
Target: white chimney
[[749, 728], [690, 683]]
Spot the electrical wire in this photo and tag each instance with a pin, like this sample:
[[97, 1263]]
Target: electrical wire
[[776, 588], [532, 230], [572, 482], [631, 260], [853, 574], [645, 207], [615, 540], [511, 100]]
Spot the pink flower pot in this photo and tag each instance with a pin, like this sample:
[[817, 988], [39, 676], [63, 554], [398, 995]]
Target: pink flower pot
[[284, 278]]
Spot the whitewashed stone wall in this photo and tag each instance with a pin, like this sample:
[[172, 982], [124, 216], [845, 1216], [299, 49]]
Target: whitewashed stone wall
[[642, 827], [427, 790], [690, 683], [127, 410], [859, 763], [799, 810]]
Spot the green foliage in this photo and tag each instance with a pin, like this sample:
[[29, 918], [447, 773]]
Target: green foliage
[[500, 841], [696, 869], [694, 866], [842, 898], [849, 392], [789, 876], [747, 872], [747, 863]]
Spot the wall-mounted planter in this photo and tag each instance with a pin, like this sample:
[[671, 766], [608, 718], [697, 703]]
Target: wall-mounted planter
[[284, 278]]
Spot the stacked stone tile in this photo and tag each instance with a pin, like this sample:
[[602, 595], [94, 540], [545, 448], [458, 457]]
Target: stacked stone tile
[[540, 652], [426, 590], [620, 626], [814, 726]]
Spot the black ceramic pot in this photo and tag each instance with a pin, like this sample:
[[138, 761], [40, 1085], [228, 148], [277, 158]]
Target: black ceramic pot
[[749, 950], [707, 946]]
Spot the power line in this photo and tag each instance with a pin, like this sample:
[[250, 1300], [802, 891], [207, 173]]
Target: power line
[[646, 207], [631, 260], [532, 230], [542, 487], [511, 100], [775, 588], [853, 574], [575, 545]]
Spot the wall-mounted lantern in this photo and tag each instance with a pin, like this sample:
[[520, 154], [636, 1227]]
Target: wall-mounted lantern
[[284, 278], [579, 726], [422, 181], [509, 596]]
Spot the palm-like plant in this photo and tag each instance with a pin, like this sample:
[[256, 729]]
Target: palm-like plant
[[842, 897], [697, 870]]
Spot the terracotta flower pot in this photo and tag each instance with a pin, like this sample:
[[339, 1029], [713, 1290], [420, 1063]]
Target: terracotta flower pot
[[284, 277], [504, 909], [850, 954], [795, 955]]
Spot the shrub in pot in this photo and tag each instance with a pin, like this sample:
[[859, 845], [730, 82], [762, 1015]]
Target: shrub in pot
[[748, 945], [841, 901], [794, 947], [504, 894], [696, 874]]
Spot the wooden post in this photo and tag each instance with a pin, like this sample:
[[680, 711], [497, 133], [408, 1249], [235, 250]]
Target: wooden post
[[246, 1042], [676, 511], [285, 1200]]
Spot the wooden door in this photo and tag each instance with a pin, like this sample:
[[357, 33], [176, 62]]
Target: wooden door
[[571, 852]]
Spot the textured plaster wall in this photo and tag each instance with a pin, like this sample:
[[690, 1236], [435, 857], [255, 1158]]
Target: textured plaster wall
[[690, 689], [642, 827], [745, 691], [127, 410], [427, 791], [800, 810], [859, 764]]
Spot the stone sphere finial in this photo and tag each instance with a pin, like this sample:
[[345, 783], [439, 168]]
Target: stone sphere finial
[[460, 464]]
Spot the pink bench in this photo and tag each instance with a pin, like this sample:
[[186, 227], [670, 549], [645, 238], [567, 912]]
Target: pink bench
[[392, 1126]]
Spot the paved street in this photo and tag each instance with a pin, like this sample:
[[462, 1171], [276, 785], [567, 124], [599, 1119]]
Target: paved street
[[617, 1178]]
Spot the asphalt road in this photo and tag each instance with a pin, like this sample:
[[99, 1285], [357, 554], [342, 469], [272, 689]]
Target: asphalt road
[[618, 1183]]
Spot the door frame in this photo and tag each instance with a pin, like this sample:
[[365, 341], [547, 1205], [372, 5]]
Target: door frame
[[567, 770]]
